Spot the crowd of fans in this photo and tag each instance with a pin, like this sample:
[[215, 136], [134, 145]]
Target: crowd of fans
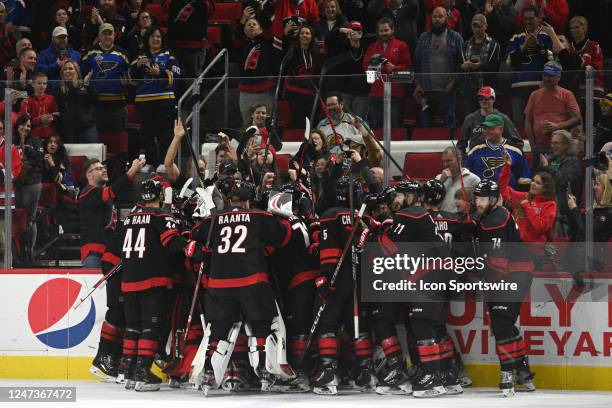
[[74, 67]]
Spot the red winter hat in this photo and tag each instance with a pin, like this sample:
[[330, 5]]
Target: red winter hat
[[355, 25], [487, 92]]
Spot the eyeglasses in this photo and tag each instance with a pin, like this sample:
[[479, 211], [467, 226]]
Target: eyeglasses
[[99, 168]]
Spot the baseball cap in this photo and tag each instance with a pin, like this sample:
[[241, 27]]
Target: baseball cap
[[57, 31], [487, 92], [480, 18], [552, 68], [493, 120], [355, 25], [106, 27], [227, 168]]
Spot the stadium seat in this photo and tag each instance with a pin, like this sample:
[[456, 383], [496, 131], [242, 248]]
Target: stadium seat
[[116, 142], [282, 161], [158, 13], [77, 164], [283, 113], [431, 134], [398, 134], [133, 122], [214, 35], [226, 11], [422, 166], [293, 135]]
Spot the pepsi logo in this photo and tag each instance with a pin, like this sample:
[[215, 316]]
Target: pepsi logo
[[51, 318]]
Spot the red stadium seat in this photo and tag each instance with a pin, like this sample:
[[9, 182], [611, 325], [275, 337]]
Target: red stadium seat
[[283, 113], [116, 142], [158, 12], [226, 12], [431, 134], [282, 161], [77, 164], [214, 36], [411, 112], [396, 134], [422, 166], [293, 135], [133, 122]]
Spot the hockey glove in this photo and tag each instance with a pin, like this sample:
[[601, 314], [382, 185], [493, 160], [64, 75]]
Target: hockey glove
[[326, 292], [195, 251]]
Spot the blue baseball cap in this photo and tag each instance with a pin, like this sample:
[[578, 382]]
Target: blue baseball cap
[[552, 68]]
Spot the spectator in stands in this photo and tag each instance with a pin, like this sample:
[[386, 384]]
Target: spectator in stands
[[549, 108], [307, 10], [452, 13], [76, 99], [501, 17], [301, 68], [309, 153], [109, 65], [62, 18], [472, 130], [8, 38], [487, 159], [535, 211], [19, 16], [603, 130], [134, 40], [570, 60], [97, 209], [463, 198], [155, 70], [105, 12], [527, 53], [131, 13], [187, 31], [57, 168], [599, 14], [19, 77], [22, 44], [480, 54], [343, 124], [346, 75], [404, 14], [15, 172], [396, 55], [258, 130], [602, 214], [261, 59], [451, 178], [40, 107], [50, 60], [332, 21], [437, 57], [590, 53], [28, 186], [555, 11], [565, 168]]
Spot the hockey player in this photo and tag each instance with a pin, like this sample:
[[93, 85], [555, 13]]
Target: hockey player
[[496, 236], [336, 225], [414, 224], [150, 234], [237, 281], [98, 220]]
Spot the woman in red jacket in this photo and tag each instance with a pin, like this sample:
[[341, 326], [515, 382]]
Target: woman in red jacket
[[535, 211]]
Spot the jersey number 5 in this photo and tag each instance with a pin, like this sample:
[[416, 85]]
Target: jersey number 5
[[226, 239], [139, 245]]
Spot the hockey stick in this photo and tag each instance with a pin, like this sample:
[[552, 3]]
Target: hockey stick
[[99, 283], [354, 260], [348, 244]]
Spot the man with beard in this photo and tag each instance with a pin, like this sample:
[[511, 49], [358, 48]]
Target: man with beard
[[437, 56], [105, 12], [396, 57], [345, 124]]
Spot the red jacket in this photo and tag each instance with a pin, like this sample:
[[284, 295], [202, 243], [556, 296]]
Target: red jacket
[[308, 10], [398, 54], [35, 106], [537, 218], [16, 165], [591, 54], [556, 11]]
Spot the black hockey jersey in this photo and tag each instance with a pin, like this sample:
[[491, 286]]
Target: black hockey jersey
[[98, 216], [238, 243], [498, 237], [447, 224], [150, 234]]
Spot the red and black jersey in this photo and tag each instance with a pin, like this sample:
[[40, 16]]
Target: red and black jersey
[[150, 235], [292, 263], [498, 236], [238, 245], [411, 224], [447, 224], [98, 216]]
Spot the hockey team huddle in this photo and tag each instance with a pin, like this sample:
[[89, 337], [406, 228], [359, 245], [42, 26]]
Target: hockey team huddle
[[266, 296]]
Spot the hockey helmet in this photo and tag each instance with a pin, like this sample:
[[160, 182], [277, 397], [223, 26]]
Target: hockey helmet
[[487, 188], [242, 191], [408, 187], [150, 190], [433, 192], [342, 192]]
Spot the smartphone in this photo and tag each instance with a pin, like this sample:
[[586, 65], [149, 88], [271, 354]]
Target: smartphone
[[569, 188], [142, 154]]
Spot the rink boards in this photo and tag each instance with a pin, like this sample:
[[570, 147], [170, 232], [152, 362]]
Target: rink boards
[[568, 332]]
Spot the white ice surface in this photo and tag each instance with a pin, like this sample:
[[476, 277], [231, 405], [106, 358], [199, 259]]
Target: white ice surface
[[107, 395]]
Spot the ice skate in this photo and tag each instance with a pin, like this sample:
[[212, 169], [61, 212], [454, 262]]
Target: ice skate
[[235, 379], [325, 380], [208, 381], [506, 383], [392, 378], [428, 386], [296, 385], [178, 382], [451, 382], [524, 377], [105, 366], [125, 372], [365, 379], [145, 379]]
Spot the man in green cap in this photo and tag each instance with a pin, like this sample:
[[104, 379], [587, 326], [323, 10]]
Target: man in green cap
[[487, 159]]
